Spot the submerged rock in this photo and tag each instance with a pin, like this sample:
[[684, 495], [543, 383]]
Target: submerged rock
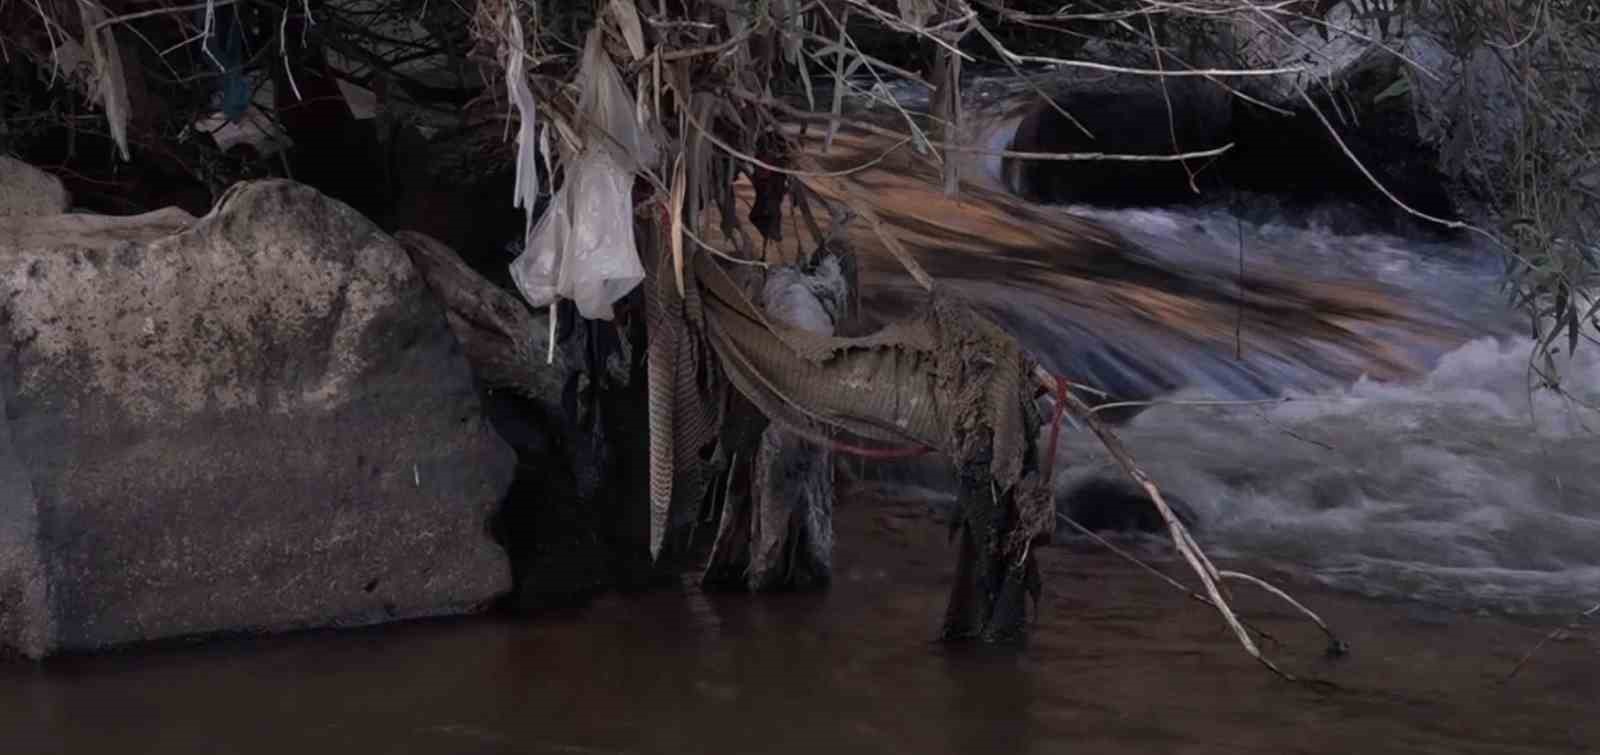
[[253, 422]]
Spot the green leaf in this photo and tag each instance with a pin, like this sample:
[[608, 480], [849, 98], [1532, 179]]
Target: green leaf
[[1400, 86]]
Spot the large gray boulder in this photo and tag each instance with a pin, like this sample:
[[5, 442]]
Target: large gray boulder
[[253, 422]]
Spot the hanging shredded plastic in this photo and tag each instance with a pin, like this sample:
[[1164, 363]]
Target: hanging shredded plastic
[[583, 248], [526, 191]]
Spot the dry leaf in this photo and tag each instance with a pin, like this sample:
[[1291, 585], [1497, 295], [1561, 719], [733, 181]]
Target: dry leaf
[[628, 21], [678, 188], [110, 86]]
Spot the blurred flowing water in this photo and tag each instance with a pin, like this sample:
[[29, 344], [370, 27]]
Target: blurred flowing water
[[1414, 459]]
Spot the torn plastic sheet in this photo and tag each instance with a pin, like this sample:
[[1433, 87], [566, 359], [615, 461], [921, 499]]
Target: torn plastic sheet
[[526, 189], [583, 248]]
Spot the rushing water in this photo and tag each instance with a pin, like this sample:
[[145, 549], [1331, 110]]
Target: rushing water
[[1465, 486], [1455, 489]]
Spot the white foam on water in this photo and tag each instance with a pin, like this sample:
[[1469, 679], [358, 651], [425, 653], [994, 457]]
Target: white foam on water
[[1466, 489]]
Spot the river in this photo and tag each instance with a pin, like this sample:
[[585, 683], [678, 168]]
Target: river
[[1118, 662], [1410, 489]]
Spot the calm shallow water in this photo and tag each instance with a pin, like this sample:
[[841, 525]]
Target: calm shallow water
[[1118, 663]]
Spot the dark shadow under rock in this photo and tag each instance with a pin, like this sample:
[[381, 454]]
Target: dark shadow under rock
[[1115, 506], [1290, 156]]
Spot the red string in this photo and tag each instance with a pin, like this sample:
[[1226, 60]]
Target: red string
[[889, 452], [899, 452]]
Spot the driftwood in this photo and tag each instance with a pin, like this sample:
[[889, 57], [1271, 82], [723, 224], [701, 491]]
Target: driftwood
[[504, 340], [776, 525], [945, 380]]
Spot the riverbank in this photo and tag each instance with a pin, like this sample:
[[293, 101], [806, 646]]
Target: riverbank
[[1118, 662]]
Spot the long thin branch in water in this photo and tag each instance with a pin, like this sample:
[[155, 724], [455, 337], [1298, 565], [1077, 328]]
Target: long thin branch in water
[[1157, 573], [1210, 577], [1554, 633]]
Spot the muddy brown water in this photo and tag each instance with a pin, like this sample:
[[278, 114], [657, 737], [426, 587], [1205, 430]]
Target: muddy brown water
[[1118, 662]]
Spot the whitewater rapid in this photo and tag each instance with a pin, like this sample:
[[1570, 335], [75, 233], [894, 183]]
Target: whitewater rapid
[[1464, 489]]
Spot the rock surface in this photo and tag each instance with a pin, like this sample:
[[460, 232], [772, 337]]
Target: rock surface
[[252, 422], [1119, 115], [28, 191], [1362, 96]]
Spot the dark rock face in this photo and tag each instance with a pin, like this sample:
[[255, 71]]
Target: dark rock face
[[254, 422], [577, 520], [1297, 159], [1132, 121], [1289, 155], [1115, 505]]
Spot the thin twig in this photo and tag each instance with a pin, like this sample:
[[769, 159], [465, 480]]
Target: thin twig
[[981, 151], [1554, 633], [752, 159], [720, 254], [1408, 209], [863, 206], [168, 11], [716, 49], [1238, 321], [55, 54], [1166, 97], [1210, 577], [1157, 573], [1186, 73], [1285, 597], [1198, 402], [283, 52]]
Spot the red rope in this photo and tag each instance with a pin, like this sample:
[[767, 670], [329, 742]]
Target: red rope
[[890, 452], [899, 452]]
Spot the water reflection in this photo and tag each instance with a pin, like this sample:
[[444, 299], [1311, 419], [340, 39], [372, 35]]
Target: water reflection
[[1117, 663]]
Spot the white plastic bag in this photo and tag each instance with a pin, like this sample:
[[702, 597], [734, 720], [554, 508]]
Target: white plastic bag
[[583, 248]]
